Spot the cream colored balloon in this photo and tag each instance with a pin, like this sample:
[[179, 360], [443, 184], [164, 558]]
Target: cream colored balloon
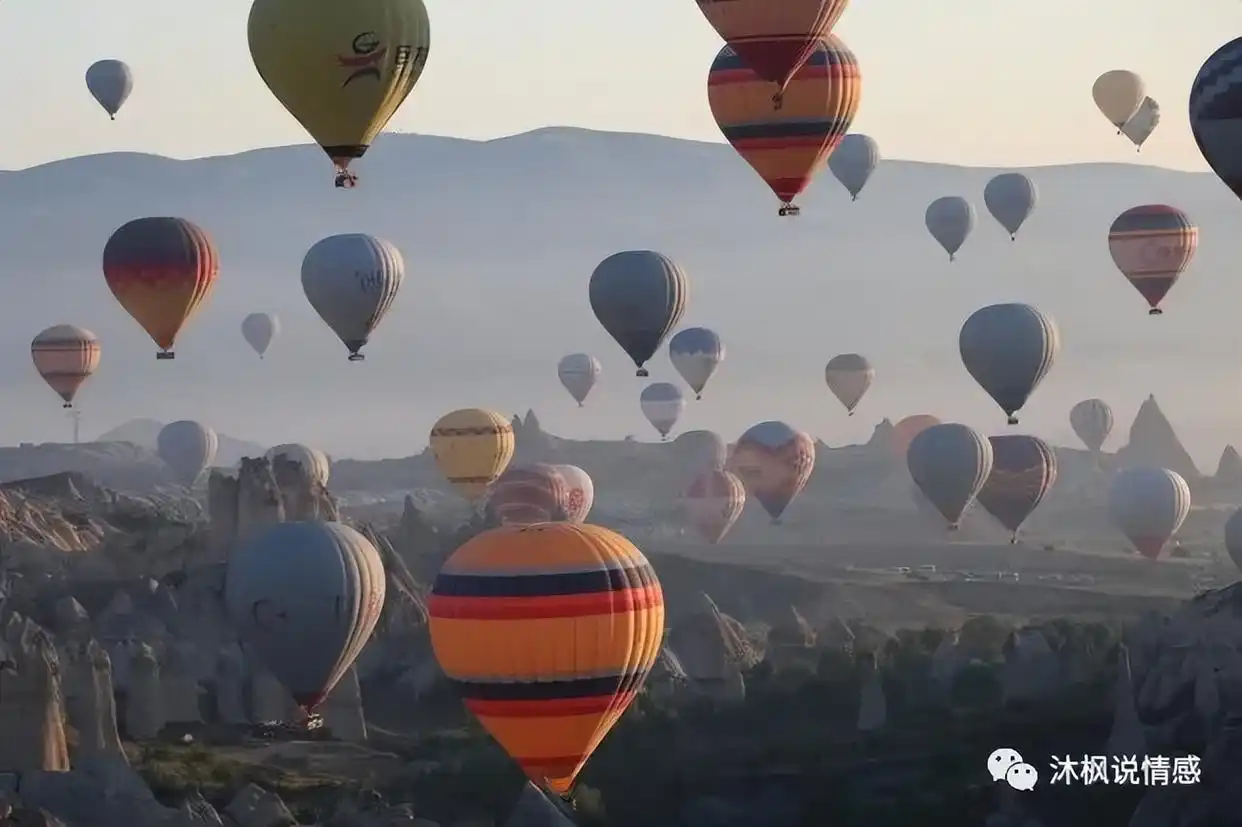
[[1119, 93]]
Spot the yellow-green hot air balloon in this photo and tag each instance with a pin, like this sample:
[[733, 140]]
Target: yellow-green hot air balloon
[[472, 447], [341, 68]]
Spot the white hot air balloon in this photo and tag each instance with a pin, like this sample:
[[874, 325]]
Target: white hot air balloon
[[579, 372], [1118, 94], [662, 404], [187, 448], [696, 353], [579, 492], [305, 597], [65, 356], [351, 280], [110, 82], [950, 221], [1149, 506], [313, 461], [259, 329], [1144, 122]]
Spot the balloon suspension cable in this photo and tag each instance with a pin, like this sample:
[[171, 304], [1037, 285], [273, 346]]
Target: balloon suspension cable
[[165, 354], [1155, 311]]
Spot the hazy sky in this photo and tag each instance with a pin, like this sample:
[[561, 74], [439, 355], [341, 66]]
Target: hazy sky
[[969, 81]]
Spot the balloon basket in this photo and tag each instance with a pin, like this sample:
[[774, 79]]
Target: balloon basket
[[642, 373], [357, 357], [1155, 311], [165, 354], [788, 210], [346, 181], [1013, 420]]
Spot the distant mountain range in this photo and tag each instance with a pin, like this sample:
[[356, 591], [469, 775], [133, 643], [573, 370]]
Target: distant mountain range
[[500, 238]]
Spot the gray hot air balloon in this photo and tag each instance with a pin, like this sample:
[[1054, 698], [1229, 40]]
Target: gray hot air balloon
[[579, 373], [1233, 537], [639, 296], [1144, 122], [110, 82], [849, 376], [1024, 469], [259, 329], [351, 280], [853, 161], [949, 463], [662, 404], [950, 220], [700, 451], [1092, 420], [1009, 349], [305, 597], [313, 461], [1149, 506], [187, 448], [1011, 197]]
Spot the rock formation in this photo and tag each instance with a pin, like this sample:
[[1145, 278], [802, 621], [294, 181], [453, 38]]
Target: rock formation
[[1154, 443], [263, 492], [144, 708], [32, 712], [713, 649], [1031, 669], [872, 705], [1229, 469], [1126, 738], [90, 704]]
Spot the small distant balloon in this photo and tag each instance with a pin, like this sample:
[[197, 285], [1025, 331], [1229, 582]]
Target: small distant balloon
[[950, 220], [713, 502], [1118, 94], [1152, 245], [66, 356], [696, 353], [849, 376], [110, 82], [662, 404], [259, 329], [578, 373], [188, 449], [1144, 122], [1092, 421], [352, 280], [853, 161], [1011, 197]]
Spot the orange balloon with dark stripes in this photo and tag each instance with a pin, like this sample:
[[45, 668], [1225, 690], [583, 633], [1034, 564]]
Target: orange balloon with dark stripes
[[547, 632], [774, 38], [161, 270], [787, 142], [534, 492]]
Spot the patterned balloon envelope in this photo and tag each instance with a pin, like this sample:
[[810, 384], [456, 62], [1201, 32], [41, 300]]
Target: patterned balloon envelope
[[774, 462], [713, 502], [526, 494], [1152, 245]]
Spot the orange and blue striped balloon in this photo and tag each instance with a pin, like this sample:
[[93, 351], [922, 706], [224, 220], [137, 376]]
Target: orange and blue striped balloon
[[548, 632], [789, 140]]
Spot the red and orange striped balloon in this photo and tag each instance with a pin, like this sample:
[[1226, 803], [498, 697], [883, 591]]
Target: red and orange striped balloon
[[531, 493], [1152, 245], [774, 38], [787, 143], [548, 633], [161, 270]]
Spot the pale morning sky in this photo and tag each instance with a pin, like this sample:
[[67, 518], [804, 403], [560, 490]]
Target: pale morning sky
[[976, 82]]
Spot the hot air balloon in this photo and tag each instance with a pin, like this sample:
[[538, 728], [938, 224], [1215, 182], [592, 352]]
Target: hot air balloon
[[65, 356], [1024, 469], [1092, 420], [313, 461], [1011, 197], [578, 373], [849, 376], [853, 161], [259, 329], [548, 653], [110, 82], [351, 280], [907, 429], [949, 463], [305, 597], [662, 404], [696, 353], [639, 296], [1216, 109], [187, 448], [1118, 94], [472, 448], [531, 493], [1009, 349], [160, 270], [1149, 505], [341, 69], [774, 462], [950, 220], [786, 145], [713, 502], [579, 492], [1144, 122], [774, 40], [1151, 246], [1233, 537], [700, 450]]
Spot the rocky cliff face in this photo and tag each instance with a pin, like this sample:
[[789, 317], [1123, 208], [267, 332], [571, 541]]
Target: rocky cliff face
[[1229, 469], [1154, 443]]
